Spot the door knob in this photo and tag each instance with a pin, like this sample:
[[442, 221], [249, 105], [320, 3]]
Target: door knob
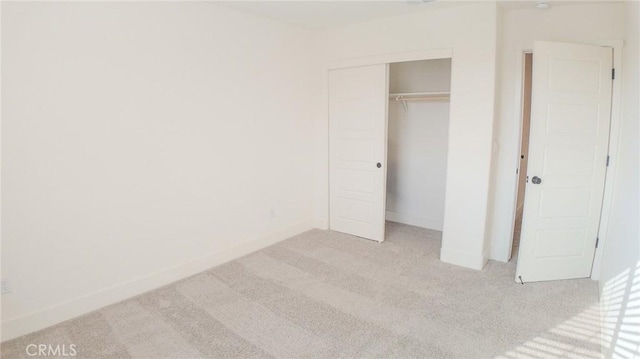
[[378, 164], [536, 180]]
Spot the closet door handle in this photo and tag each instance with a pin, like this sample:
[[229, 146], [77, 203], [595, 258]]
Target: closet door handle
[[378, 164]]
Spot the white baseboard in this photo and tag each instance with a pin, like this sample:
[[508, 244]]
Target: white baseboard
[[424, 222], [321, 222], [495, 254], [464, 259], [73, 308]]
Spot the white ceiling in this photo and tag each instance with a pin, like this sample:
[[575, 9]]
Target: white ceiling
[[319, 15]]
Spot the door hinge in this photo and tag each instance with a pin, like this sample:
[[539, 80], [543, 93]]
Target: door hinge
[[517, 170], [613, 74], [608, 158], [597, 241]]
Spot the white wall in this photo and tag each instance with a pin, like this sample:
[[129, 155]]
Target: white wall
[[587, 23], [620, 275], [417, 145], [143, 142], [470, 32], [420, 76]]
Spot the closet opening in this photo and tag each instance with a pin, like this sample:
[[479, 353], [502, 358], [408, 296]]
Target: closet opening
[[417, 142], [527, 75]]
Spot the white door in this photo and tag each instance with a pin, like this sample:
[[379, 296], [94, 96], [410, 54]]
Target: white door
[[571, 112], [358, 99]]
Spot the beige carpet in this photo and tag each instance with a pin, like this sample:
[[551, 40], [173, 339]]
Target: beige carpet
[[327, 295]]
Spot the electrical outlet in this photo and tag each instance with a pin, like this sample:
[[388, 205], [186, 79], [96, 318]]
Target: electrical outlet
[[5, 287]]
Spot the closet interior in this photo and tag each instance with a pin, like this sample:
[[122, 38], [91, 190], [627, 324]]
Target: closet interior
[[417, 142]]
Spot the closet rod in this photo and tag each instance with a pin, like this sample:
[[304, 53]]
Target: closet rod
[[427, 98], [420, 96]]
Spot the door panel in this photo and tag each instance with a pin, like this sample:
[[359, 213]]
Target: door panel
[[357, 132], [570, 117]]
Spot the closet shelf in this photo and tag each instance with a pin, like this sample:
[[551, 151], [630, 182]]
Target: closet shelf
[[420, 96]]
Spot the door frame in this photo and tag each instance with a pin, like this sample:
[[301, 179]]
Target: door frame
[[614, 132], [390, 58], [380, 59]]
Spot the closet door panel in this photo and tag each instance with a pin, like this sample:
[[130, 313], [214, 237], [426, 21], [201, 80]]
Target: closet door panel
[[357, 132]]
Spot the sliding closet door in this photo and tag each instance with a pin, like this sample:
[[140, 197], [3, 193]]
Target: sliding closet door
[[358, 99]]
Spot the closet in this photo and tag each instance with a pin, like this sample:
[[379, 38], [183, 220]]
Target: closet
[[417, 141], [388, 131]]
